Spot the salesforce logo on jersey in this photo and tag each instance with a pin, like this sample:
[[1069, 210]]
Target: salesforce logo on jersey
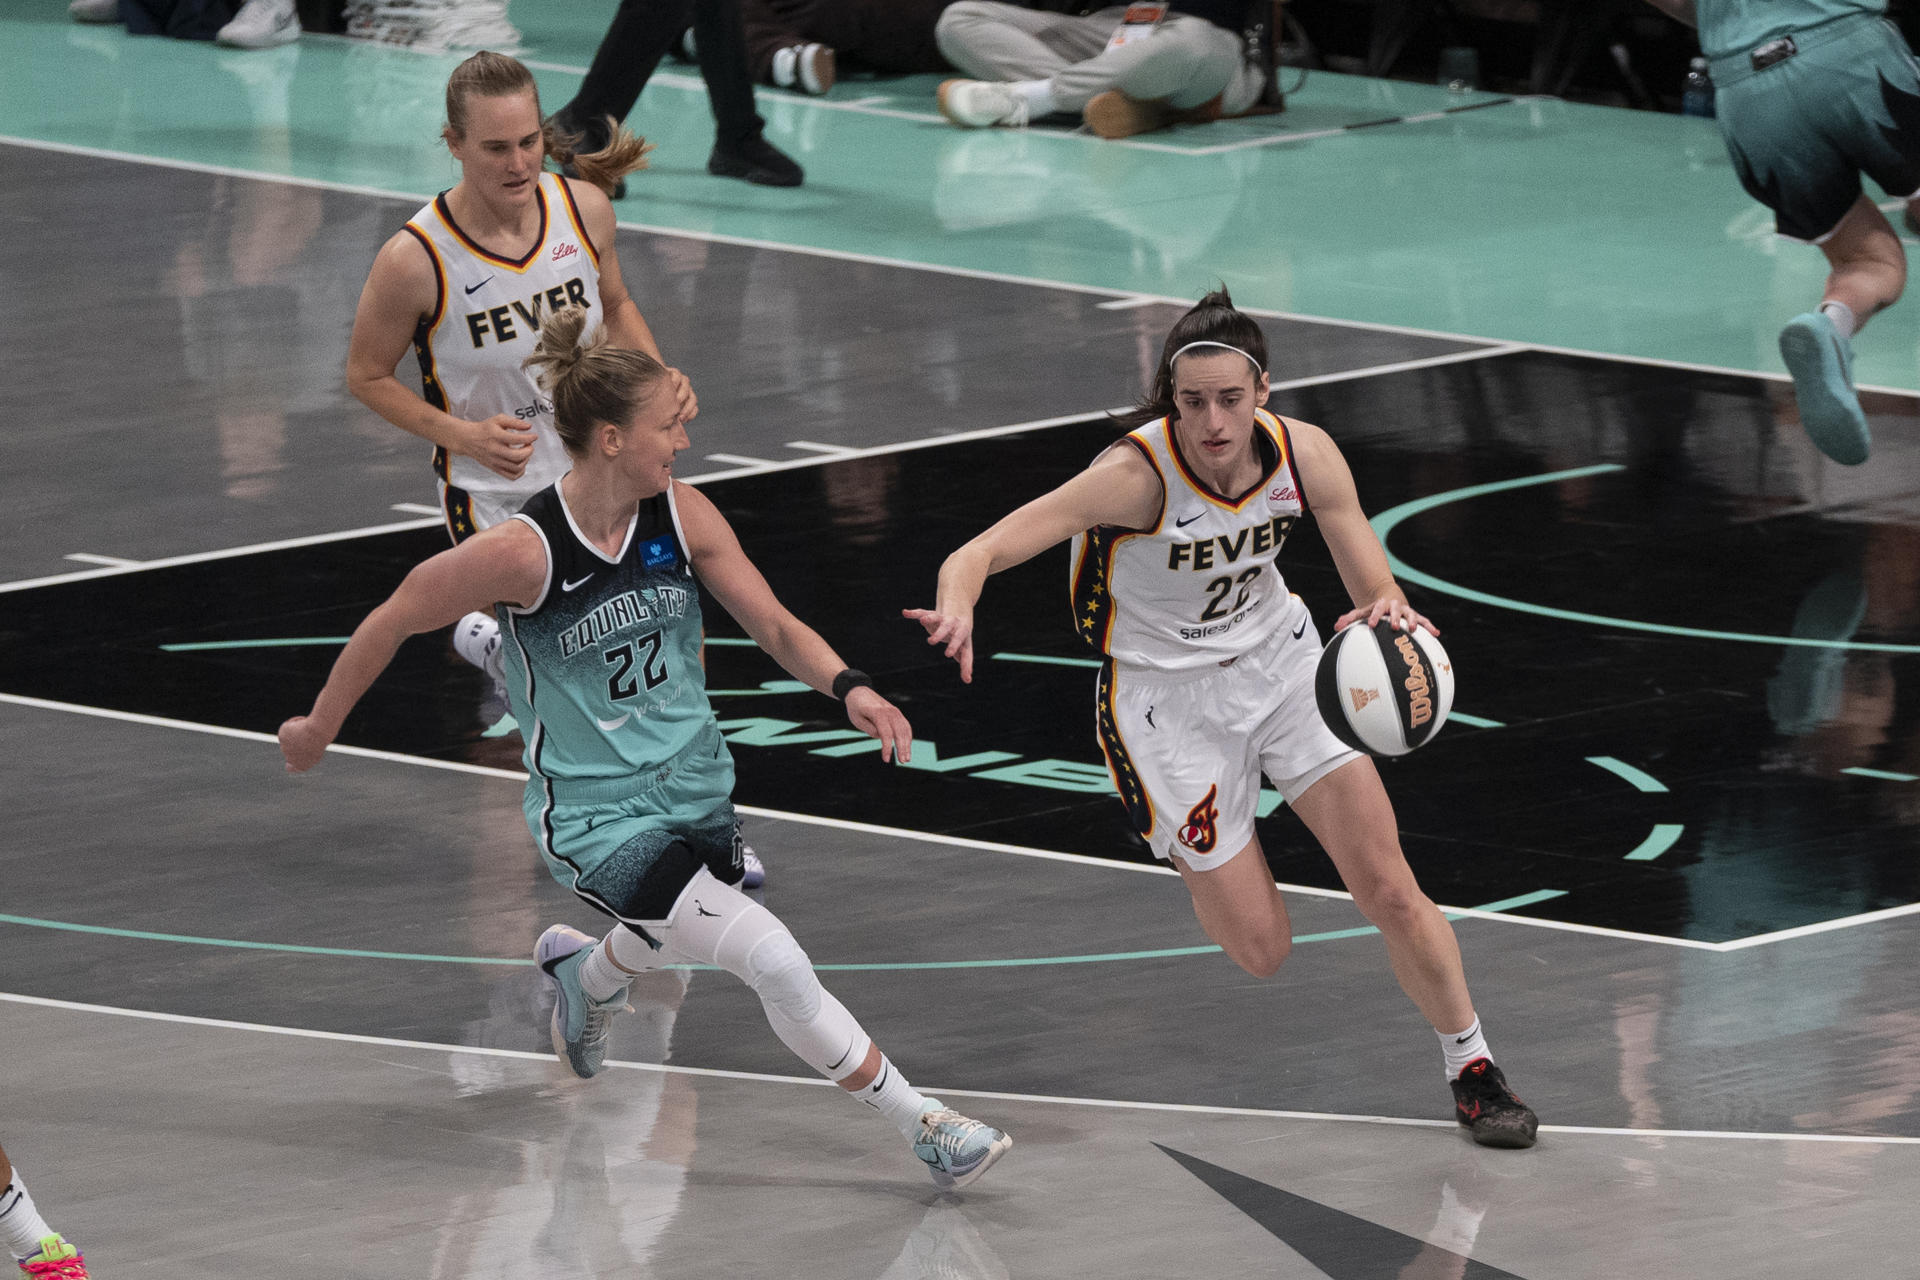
[[658, 553]]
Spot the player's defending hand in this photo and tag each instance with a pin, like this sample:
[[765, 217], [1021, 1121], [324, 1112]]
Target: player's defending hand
[[303, 741], [502, 444], [1395, 610], [683, 395], [952, 630], [874, 716]]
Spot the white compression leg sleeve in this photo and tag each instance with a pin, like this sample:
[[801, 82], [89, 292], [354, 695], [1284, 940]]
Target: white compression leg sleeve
[[717, 924]]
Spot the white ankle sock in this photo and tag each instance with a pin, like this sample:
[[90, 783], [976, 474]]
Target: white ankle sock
[[1842, 316], [21, 1226], [600, 977], [1462, 1047], [894, 1098], [1039, 96]]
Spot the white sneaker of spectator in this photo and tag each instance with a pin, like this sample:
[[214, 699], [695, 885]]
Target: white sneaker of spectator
[[94, 10], [261, 24], [978, 104], [806, 67]]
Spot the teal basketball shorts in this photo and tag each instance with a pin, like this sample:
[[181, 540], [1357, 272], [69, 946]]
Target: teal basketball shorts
[[1802, 130], [628, 846]]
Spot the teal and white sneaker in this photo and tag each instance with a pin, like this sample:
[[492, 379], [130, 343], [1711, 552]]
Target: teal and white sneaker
[[1821, 362], [956, 1150], [579, 1023]]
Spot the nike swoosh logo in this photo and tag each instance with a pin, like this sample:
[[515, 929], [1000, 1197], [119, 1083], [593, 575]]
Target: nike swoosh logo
[[713, 915], [1181, 524], [1300, 631], [1461, 1039], [483, 284], [577, 582], [615, 723]]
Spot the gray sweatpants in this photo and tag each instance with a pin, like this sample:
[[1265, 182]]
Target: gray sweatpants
[[1187, 61]]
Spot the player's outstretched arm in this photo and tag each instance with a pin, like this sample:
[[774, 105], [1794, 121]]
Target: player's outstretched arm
[[1120, 488], [507, 563], [740, 588], [1357, 553]]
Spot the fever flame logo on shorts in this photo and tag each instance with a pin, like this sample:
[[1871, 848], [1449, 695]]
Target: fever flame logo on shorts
[[1200, 831]]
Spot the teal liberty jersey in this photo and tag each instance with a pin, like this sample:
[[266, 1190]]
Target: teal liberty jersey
[[603, 670], [1735, 26]]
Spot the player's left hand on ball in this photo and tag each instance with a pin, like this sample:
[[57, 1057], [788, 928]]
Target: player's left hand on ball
[[1397, 612], [878, 718], [302, 743]]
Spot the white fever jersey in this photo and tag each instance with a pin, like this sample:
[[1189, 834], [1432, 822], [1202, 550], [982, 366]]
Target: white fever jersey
[[486, 321], [1200, 587]]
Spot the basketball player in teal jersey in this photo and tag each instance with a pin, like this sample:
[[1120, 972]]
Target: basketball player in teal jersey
[[466, 284], [629, 779], [1810, 94], [1208, 678]]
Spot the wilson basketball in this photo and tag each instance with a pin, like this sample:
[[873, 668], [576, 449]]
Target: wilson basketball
[[1384, 691]]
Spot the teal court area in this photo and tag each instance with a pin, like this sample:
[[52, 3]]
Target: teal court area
[[1532, 220]]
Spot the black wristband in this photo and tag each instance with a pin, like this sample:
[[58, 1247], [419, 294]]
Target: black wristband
[[849, 680]]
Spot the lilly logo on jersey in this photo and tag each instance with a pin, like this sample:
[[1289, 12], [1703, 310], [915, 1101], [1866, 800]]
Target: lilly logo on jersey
[[657, 553], [1282, 493], [561, 252]]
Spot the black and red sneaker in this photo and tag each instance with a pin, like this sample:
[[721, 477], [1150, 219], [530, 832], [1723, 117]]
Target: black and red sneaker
[[1482, 1102]]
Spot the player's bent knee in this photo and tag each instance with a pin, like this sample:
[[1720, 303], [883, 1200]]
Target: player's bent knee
[[1262, 957], [781, 974]]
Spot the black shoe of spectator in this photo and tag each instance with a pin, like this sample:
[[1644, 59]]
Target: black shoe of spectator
[[756, 160]]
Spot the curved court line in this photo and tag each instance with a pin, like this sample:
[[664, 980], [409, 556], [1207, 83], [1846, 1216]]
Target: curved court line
[[1023, 962], [878, 829], [1386, 521], [1115, 1104], [1638, 779]]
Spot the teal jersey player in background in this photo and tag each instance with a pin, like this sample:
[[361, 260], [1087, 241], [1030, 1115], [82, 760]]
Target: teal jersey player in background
[[1810, 94], [628, 794]]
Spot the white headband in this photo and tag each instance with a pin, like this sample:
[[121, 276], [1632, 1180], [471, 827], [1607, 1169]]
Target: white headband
[[1224, 346]]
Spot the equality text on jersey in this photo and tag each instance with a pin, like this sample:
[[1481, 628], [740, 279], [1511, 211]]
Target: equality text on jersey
[[498, 322], [1207, 553], [624, 611]]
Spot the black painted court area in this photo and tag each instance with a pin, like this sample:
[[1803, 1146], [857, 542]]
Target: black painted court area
[[1694, 530]]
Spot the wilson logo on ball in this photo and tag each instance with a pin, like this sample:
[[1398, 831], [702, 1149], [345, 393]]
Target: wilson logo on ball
[[1382, 690]]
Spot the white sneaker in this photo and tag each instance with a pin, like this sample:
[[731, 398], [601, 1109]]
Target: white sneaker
[[956, 1150], [94, 10], [979, 104], [809, 68], [261, 24]]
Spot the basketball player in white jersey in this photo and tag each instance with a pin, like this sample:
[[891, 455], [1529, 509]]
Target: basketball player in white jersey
[[1208, 678]]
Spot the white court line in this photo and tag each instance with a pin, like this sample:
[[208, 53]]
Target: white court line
[[1114, 1104], [740, 460], [198, 557], [416, 509], [935, 268], [832, 450], [112, 562], [958, 842]]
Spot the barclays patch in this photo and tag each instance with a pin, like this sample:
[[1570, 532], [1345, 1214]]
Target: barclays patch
[[658, 553]]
